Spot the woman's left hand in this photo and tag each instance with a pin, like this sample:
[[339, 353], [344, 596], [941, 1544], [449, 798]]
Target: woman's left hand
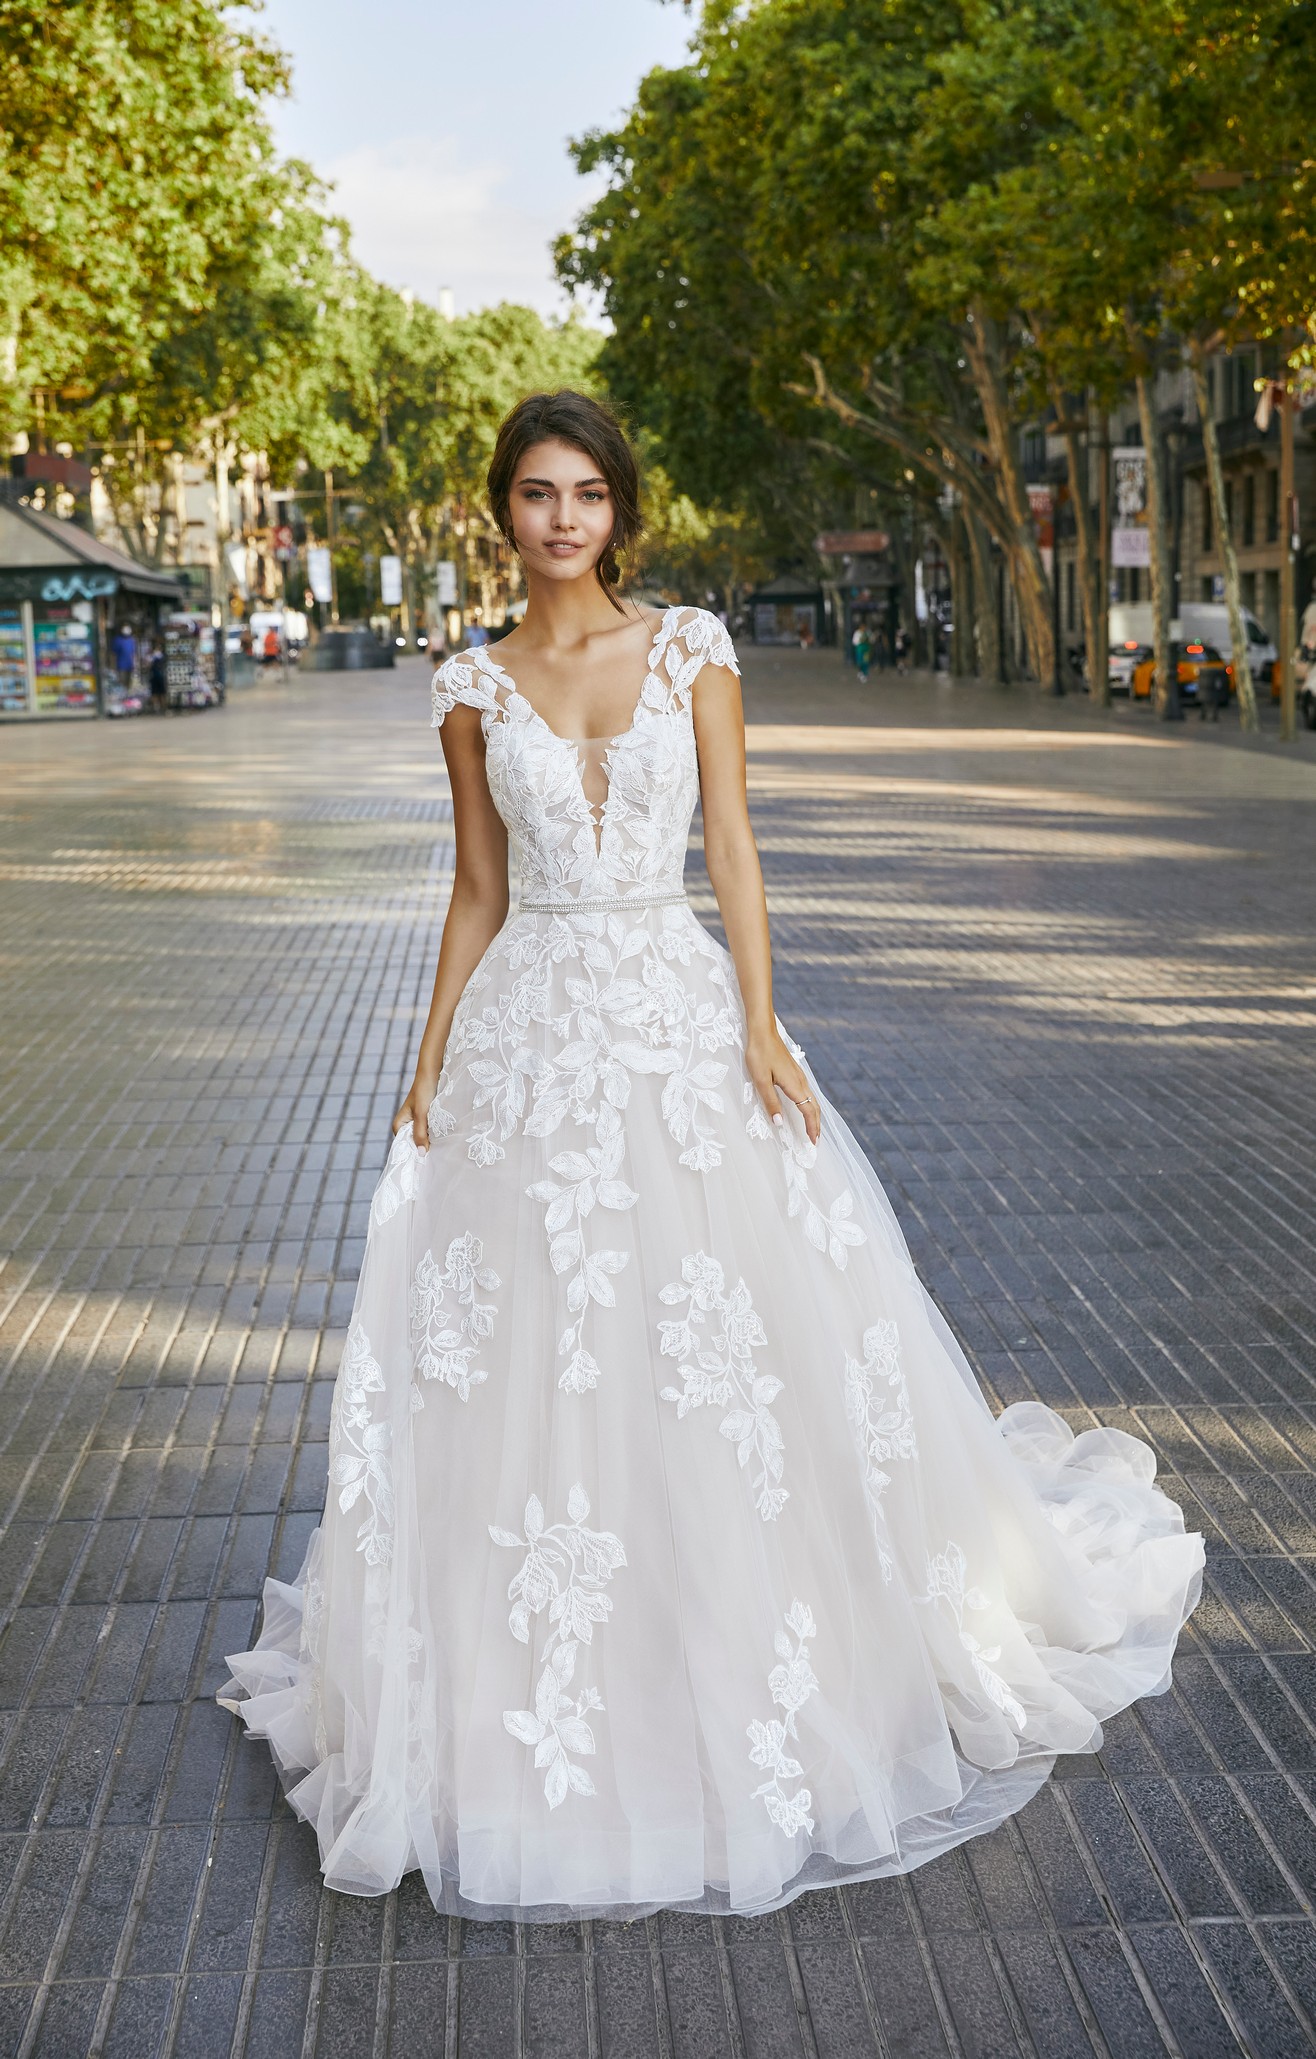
[[775, 1073]]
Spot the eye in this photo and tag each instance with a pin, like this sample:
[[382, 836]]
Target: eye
[[591, 493]]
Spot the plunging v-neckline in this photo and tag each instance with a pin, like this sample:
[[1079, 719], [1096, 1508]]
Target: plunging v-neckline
[[576, 746]]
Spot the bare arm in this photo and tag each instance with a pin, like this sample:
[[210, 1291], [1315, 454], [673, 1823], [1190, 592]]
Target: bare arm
[[475, 914], [733, 867]]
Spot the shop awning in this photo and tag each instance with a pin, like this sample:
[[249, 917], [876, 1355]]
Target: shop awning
[[44, 559]]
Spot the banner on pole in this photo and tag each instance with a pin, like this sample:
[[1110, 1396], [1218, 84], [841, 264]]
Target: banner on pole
[[1130, 537], [390, 582], [319, 572]]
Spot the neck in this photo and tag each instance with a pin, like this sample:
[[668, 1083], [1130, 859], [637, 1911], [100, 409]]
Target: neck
[[567, 612]]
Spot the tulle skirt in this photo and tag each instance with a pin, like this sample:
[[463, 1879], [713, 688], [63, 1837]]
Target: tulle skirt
[[672, 1556]]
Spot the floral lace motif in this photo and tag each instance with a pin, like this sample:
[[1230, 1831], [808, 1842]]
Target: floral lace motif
[[790, 1685], [948, 1573], [440, 1352], [565, 1570], [884, 1428], [360, 1449], [722, 1371], [400, 1180]]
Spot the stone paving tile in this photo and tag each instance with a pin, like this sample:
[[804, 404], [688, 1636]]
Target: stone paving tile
[[1056, 970]]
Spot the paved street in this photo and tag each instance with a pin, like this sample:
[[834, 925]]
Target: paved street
[[1056, 969]]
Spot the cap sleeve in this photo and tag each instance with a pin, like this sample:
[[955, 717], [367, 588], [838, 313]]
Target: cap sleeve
[[456, 680], [691, 638], [709, 639]]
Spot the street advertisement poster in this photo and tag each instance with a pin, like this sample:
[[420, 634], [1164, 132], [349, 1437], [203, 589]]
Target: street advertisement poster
[[1130, 537], [390, 582], [319, 572], [1041, 500], [13, 663], [66, 664]]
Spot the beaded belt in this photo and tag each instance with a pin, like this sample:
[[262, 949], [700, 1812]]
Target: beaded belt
[[618, 906]]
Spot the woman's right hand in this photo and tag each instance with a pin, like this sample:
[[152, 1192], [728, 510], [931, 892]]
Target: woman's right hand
[[416, 1108]]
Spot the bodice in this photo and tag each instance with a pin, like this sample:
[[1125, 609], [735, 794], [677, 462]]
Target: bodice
[[632, 843]]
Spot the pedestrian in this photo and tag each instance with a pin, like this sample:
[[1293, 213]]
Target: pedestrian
[[270, 648], [157, 673], [902, 649], [124, 654], [863, 651], [477, 636], [662, 1496]]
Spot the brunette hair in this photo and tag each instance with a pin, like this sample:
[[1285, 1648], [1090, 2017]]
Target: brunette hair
[[589, 426]]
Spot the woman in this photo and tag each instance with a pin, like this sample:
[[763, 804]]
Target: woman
[[672, 1556]]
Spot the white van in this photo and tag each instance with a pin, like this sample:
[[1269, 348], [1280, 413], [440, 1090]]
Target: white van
[[1130, 624]]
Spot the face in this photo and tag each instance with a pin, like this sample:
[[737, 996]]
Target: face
[[562, 511]]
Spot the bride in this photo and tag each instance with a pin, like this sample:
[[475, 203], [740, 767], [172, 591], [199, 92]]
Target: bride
[[672, 1556]]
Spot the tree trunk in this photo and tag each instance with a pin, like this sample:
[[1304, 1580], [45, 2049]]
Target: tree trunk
[[1247, 700], [1167, 683], [1089, 578], [1027, 573], [961, 640], [986, 622], [1103, 556]]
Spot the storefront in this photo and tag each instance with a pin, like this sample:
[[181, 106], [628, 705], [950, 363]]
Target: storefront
[[789, 611], [64, 597]]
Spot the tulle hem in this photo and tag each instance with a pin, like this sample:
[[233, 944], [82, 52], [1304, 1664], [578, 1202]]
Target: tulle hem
[[1135, 1565]]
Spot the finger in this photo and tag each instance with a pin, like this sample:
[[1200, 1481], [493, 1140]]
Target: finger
[[771, 1099], [420, 1130], [806, 1101]]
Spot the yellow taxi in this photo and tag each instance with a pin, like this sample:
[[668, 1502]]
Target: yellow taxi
[[1200, 664]]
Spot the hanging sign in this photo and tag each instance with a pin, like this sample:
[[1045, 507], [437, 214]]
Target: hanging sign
[[1130, 537], [390, 582], [319, 572]]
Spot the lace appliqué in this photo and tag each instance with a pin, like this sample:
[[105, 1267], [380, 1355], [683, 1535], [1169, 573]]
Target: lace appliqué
[[360, 1454], [722, 1371], [400, 1179], [884, 1428], [947, 1577], [790, 1685], [440, 1352], [565, 1570], [586, 1179]]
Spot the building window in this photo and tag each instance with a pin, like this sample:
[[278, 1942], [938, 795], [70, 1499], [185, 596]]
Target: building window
[[1208, 527], [1272, 507], [1249, 510], [1135, 581], [1248, 588], [1229, 505], [1208, 587], [1069, 595]]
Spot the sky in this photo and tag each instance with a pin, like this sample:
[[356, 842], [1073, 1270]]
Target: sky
[[443, 126]]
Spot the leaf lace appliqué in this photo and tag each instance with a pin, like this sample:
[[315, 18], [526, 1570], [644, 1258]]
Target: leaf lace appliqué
[[883, 1423], [948, 1573], [790, 1684], [565, 1570], [440, 1352], [721, 1370], [360, 1454]]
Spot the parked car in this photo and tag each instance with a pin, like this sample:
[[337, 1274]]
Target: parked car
[[1197, 622], [1200, 668], [1123, 660]]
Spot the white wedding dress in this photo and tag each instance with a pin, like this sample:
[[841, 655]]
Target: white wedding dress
[[672, 1556]]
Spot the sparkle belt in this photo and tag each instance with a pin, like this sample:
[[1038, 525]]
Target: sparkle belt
[[672, 898]]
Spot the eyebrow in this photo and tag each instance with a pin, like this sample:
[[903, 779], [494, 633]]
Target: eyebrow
[[595, 479]]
